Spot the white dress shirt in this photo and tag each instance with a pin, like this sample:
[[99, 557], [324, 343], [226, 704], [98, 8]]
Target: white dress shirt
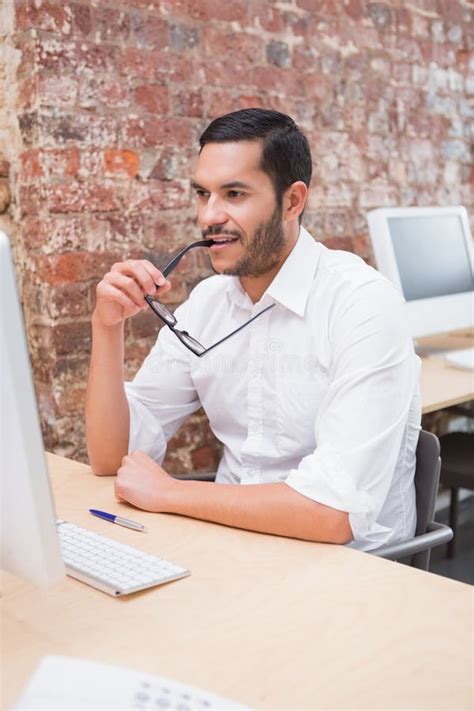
[[320, 392]]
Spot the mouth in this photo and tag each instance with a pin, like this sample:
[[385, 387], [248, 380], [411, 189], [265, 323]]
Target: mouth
[[222, 241]]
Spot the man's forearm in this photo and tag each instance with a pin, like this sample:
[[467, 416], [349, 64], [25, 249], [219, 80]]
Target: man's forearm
[[107, 412], [268, 508]]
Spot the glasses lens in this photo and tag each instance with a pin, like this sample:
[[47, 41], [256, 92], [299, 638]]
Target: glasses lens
[[163, 312], [191, 342]]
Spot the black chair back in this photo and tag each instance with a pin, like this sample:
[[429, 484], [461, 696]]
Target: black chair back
[[428, 464]]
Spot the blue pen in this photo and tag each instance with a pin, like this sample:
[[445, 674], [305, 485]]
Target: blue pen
[[118, 519]]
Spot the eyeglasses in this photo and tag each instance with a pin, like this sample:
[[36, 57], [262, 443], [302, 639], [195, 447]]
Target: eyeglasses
[[170, 320]]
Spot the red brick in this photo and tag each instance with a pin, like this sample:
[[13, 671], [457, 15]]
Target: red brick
[[266, 16], [113, 93], [70, 398], [57, 91], [57, 301], [71, 338], [154, 65], [82, 197], [125, 162], [220, 103], [267, 77], [153, 98], [246, 47], [112, 25], [186, 102], [210, 10], [50, 16], [150, 5], [60, 128], [248, 101], [31, 165], [205, 459], [230, 72], [81, 19], [344, 243], [28, 92], [30, 199], [145, 324], [161, 194], [61, 162], [353, 8], [141, 132], [149, 32], [70, 267], [162, 233], [456, 12], [75, 56]]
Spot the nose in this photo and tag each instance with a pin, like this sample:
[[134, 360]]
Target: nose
[[212, 213]]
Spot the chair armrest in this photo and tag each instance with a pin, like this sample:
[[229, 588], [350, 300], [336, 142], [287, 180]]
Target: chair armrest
[[438, 533], [195, 476]]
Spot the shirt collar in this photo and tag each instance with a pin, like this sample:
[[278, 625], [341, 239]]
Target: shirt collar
[[292, 284]]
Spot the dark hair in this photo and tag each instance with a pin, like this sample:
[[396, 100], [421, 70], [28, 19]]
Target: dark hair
[[286, 156]]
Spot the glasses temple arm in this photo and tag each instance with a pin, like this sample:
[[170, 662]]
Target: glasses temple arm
[[175, 261], [214, 345]]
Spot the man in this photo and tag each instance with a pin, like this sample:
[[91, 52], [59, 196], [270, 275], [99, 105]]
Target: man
[[315, 401]]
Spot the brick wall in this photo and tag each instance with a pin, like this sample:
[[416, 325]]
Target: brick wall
[[111, 97]]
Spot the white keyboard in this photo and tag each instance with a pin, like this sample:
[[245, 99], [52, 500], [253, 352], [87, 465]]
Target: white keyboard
[[112, 567]]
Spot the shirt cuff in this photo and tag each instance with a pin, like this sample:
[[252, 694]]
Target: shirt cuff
[[322, 477], [145, 433]]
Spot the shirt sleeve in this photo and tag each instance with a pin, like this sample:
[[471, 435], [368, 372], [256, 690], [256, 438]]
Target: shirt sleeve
[[162, 394], [364, 414]]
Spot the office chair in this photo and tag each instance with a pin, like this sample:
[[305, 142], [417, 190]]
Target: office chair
[[429, 533], [457, 471]]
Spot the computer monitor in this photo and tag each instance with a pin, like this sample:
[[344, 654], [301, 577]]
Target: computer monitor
[[428, 253], [29, 541]]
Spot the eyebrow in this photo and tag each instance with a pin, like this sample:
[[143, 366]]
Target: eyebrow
[[226, 186]]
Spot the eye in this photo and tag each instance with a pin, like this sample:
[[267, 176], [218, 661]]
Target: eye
[[234, 194], [200, 193]]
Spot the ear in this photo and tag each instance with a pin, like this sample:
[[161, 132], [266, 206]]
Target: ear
[[294, 200]]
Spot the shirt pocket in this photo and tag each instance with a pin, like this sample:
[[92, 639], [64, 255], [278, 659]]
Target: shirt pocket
[[298, 399]]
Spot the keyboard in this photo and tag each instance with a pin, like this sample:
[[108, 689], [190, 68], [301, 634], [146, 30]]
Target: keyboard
[[114, 568]]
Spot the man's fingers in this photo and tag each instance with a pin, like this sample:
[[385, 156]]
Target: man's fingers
[[109, 292], [136, 270], [117, 489], [155, 273], [146, 276], [127, 285]]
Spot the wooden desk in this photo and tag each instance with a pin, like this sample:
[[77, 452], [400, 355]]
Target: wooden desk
[[271, 622], [443, 385]]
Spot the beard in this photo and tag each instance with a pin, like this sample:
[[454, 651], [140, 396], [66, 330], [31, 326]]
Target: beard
[[264, 250]]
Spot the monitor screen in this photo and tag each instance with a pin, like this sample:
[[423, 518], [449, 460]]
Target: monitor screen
[[29, 544], [432, 255]]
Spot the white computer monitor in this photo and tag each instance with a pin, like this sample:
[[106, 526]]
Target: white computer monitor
[[29, 541], [428, 253]]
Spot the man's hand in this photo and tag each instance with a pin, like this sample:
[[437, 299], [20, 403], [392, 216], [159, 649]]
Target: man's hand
[[143, 483], [121, 292]]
